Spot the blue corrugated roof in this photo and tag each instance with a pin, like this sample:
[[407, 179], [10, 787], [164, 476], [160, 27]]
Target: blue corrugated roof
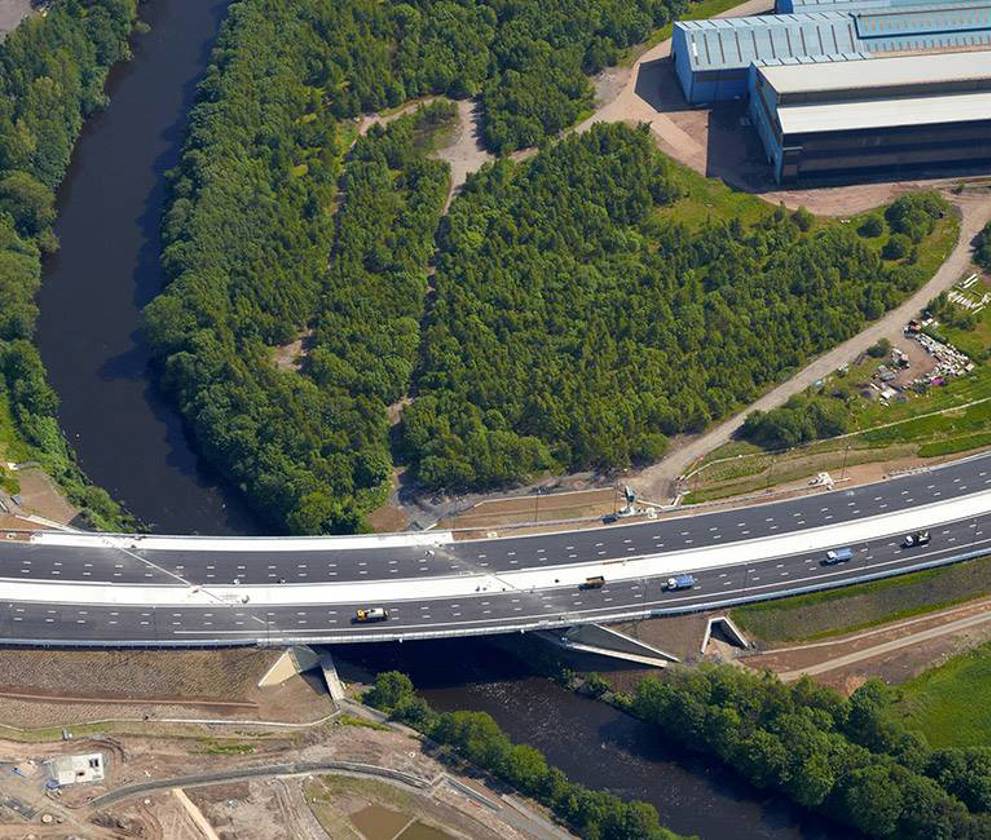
[[903, 22], [798, 6], [724, 43], [737, 42]]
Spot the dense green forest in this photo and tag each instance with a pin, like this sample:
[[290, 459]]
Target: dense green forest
[[255, 254], [251, 223], [52, 72], [527, 60], [842, 756], [476, 737], [574, 328], [573, 325]]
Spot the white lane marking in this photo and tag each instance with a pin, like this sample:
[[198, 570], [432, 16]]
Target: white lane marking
[[399, 590]]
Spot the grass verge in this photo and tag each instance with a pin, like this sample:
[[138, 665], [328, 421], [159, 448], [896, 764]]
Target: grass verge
[[834, 612], [703, 199]]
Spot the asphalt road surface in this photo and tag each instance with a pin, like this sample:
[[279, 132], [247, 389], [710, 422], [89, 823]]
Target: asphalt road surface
[[504, 609]]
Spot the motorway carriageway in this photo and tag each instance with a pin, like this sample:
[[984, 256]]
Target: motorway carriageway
[[212, 590]]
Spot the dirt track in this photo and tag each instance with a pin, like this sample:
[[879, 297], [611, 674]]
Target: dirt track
[[628, 105]]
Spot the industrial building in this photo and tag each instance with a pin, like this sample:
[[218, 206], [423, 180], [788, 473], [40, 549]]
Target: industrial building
[[904, 113], [820, 110], [790, 7], [713, 57]]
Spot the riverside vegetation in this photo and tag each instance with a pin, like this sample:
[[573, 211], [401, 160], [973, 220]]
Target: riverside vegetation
[[477, 738], [52, 73], [844, 757]]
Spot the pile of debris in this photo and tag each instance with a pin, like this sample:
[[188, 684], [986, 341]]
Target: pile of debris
[[950, 361]]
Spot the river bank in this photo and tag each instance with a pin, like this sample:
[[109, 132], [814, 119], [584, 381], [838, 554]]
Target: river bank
[[128, 439], [593, 743]]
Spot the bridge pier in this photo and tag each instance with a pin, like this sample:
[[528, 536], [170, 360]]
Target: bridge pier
[[293, 660]]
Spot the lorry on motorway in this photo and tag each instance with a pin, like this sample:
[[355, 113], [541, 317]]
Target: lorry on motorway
[[371, 614], [838, 555], [596, 582], [680, 582], [916, 539]]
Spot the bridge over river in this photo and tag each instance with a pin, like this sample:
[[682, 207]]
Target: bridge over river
[[72, 588]]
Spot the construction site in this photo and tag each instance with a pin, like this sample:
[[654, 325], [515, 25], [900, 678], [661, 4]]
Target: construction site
[[226, 744]]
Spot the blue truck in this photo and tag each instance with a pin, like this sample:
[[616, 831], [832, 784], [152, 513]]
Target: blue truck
[[680, 582]]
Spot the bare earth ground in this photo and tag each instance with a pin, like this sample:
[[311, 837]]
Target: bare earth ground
[[465, 153], [850, 475], [41, 496], [75, 686], [272, 808], [290, 356], [12, 12], [388, 518], [680, 635], [896, 652], [491, 514]]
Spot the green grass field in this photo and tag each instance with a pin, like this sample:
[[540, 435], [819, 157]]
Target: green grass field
[[709, 198], [13, 449], [949, 704]]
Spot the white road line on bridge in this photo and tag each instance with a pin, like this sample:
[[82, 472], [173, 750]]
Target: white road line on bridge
[[523, 580]]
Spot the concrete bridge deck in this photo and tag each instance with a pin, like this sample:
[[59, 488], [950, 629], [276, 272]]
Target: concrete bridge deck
[[93, 589]]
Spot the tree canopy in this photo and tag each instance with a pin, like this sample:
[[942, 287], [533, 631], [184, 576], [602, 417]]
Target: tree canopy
[[844, 757], [573, 328], [256, 254]]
